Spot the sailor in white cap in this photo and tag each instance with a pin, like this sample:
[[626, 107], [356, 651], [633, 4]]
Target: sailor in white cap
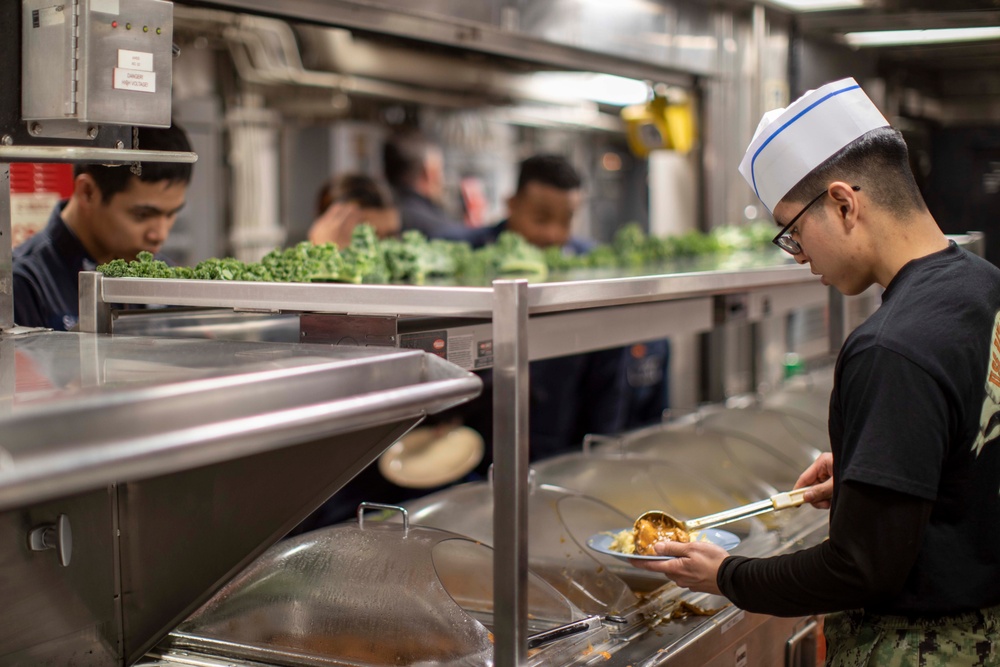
[[908, 574]]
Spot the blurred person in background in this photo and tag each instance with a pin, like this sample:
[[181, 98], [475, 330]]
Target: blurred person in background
[[542, 208], [549, 192], [112, 214], [348, 200], [570, 396], [414, 168]]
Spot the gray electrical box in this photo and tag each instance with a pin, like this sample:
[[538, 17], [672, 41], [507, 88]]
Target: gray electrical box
[[92, 62]]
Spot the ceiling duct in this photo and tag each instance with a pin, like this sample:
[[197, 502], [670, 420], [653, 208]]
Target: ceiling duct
[[273, 55]]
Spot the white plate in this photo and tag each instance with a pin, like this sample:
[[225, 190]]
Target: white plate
[[431, 456], [602, 542]]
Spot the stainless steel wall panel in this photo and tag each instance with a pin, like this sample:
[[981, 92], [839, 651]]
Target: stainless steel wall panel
[[52, 615]]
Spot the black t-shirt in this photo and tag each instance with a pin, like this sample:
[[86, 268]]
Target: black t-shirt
[[914, 417]]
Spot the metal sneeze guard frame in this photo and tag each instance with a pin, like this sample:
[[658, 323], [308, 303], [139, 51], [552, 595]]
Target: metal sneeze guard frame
[[547, 314]]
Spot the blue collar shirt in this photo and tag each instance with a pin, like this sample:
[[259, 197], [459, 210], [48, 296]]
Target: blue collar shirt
[[46, 282]]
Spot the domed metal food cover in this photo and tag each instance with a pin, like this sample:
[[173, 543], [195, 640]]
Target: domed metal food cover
[[363, 594]]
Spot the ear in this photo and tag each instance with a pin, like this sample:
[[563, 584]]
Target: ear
[[85, 190], [512, 202], [846, 200]]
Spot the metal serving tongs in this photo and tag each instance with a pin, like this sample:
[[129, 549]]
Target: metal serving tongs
[[778, 501]]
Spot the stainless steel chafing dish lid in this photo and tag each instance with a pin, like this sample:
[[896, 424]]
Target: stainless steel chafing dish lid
[[560, 521], [739, 467], [368, 594], [796, 439], [807, 395], [634, 486], [729, 461]]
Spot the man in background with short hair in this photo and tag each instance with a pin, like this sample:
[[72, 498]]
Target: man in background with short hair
[[414, 168], [112, 214], [573, 395]]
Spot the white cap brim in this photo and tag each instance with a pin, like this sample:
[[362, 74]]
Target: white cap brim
[[789, 143]]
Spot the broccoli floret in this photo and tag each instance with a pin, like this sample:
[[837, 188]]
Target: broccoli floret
[[116, 268], [143, 266], [404, 258], [630, 246], [513, 255], [362, 257], [602, 257], [559, 260]]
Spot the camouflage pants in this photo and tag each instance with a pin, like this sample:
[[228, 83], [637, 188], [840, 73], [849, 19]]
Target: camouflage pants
[[856, 639]]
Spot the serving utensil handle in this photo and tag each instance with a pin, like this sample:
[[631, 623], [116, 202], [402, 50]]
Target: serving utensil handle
[[778, 501], [728, 516], [792, 498]]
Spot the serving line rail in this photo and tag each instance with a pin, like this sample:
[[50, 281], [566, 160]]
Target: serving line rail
[[564, 317], [555, 317], [98, 292]]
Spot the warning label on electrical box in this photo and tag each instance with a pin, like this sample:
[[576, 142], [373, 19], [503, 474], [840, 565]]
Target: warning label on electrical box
[[129, 79]]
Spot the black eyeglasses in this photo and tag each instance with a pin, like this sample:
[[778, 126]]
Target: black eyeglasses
[[784, 238]]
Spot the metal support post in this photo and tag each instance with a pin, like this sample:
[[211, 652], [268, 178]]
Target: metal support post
[[510, 472], [6, 245], [95, 314]]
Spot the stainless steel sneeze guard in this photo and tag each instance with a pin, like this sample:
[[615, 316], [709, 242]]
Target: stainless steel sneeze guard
[[118, 408], [162, 468]]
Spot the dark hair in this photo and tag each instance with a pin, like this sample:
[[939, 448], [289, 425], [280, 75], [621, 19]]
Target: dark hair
[[878, 161], [360, 189], [114, 179], [554, 170], [403, 157]]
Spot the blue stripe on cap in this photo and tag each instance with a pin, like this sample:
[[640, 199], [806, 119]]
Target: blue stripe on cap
[[781, 129]]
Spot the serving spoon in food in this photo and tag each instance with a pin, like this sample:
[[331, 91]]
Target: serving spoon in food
[[656, 525]]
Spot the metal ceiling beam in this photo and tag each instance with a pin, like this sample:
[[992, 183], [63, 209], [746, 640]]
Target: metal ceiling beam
[[467, 35], [840, 22]]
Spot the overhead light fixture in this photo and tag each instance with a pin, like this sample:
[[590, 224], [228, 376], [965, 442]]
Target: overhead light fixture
[[929, 36], [590, 86], [818, 5]]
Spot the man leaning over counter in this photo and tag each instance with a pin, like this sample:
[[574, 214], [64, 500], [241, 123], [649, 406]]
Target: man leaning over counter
[[112, 214]]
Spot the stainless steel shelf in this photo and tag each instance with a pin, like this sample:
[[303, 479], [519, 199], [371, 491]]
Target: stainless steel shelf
[[450, 301]]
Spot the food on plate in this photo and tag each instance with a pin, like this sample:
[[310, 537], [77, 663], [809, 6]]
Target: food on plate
[[646, 533], [650, 531]]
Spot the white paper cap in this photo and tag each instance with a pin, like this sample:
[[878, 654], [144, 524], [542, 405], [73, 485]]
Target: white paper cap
[[789, 143]]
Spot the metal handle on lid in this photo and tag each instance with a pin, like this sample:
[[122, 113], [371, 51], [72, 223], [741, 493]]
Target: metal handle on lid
[[388, 508]]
